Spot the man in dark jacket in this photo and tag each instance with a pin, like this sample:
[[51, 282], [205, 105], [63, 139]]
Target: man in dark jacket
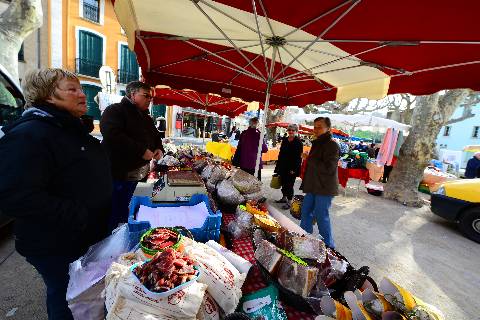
[[248, 145], [320, 182], [55, 181], [289, 163], [473, 167], [131, 140]]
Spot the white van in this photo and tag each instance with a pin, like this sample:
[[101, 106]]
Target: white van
[[11, 108]]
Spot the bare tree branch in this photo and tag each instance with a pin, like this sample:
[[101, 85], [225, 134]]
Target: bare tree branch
[[471, 100]]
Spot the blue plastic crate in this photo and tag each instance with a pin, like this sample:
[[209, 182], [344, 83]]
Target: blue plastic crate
[[209, 231]]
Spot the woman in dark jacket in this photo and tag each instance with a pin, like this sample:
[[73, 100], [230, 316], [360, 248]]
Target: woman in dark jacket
[[320, 182], [289, 163], [55, 181]]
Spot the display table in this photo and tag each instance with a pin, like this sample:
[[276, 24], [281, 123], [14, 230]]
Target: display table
[[347, 173], [254, 281]]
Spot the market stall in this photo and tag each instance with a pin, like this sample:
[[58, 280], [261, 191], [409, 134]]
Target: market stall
[[222, 251]]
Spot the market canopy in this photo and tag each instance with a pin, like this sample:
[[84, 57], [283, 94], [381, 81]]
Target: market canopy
[[353, 120], [209, 102], [328, 50]]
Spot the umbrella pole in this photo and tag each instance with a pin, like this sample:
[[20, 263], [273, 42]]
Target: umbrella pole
[[204, 124], [262, 130]]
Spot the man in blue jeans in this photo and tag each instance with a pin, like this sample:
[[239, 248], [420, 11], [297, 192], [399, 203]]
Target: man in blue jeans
[[320, 181], [131, 140]]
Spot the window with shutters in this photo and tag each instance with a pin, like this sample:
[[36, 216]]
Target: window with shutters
[[91, 10], [90, 53], [128, 66], [476, 131], [91, 92]]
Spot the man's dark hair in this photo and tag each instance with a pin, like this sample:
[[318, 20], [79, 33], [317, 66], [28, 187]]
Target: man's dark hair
[[134, 86], [324, 119]]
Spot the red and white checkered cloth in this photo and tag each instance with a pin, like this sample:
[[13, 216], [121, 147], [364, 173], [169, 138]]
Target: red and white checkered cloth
[[254, 281]]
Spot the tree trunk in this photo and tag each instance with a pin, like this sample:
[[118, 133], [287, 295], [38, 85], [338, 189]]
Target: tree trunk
[[429, 115], [273, 116], [20, 19]]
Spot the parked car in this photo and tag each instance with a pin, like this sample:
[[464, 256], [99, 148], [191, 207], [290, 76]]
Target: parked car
[[11, 108], [459, 201]]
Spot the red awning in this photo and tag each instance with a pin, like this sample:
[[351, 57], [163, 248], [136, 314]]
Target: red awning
[[328, 50]]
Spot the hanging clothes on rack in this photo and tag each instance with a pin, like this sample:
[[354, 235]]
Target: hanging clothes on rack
[[400, 141], [389, 144]]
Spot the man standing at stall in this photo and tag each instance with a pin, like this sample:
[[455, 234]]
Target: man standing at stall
[[131, 140], [248, 147], [320, 181]]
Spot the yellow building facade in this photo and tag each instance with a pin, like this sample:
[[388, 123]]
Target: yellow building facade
[[85, 35]]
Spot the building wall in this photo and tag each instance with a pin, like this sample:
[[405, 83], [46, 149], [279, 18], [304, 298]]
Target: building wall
[[460, 134], [109, 28]]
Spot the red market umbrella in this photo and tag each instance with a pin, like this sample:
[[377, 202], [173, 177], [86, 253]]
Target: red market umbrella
[[230, 107], [306, 51], [211, 102]]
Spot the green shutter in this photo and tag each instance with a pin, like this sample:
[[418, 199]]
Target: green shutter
[[128, 65], [92, 107], [90, 54]]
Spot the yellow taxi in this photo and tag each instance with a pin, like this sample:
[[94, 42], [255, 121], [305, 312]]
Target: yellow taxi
[[459, 201]]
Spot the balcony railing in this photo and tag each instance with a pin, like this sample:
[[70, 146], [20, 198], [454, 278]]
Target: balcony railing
[[91, 12], [125, 76], [87, 67]]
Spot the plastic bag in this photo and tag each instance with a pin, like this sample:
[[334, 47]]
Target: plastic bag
[[211, 186], [263, 304], [199, 165], [169, 161], [228, 194], [206, 172], [255, 196], [245, 182], [297, 278], [333, 268], [303, 246], [87, 273], [219, 173]]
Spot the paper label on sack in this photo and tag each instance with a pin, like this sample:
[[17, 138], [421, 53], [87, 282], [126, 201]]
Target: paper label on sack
[[209, 310], [256, 304]]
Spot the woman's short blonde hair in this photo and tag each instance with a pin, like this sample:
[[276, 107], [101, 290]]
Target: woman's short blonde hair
[[40, 84]]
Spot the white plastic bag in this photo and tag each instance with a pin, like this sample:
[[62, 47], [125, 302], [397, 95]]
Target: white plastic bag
[[87, 273], [228, 194], [245, 182]]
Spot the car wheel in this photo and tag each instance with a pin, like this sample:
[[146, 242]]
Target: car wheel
[[469, 224]]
